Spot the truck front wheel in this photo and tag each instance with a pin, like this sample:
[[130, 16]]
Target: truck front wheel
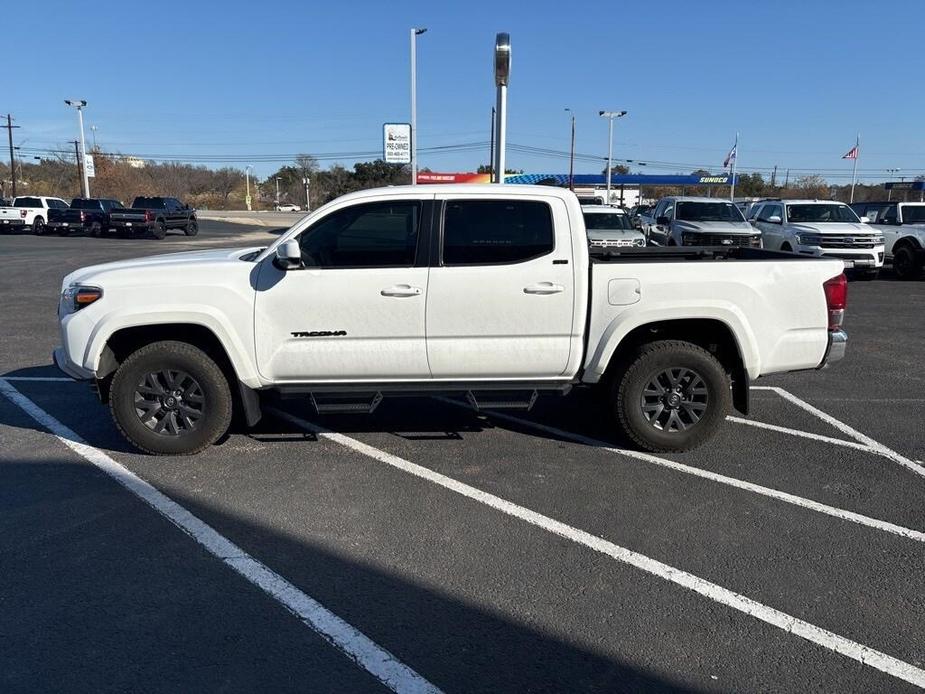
[[170, 398], [671, 397]]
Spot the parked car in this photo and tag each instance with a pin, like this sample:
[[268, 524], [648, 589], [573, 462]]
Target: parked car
[[609, 227], [34, 210], [88, 215], [689, 221], [155, 216], [820, 228], [288, 207], [636, 212], [903, 227], [481, 290]]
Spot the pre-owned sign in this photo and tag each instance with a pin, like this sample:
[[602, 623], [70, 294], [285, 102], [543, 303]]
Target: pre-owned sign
[[88, 163], [396, 143]]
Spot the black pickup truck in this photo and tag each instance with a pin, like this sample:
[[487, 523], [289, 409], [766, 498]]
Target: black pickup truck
[[155, 216], [88, 215]]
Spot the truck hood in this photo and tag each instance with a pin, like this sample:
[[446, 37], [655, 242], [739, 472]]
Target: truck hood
[[167, 261], [839, 228], [715, 227]]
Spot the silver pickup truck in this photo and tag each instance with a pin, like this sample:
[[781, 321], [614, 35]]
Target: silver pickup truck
[[690, 221]]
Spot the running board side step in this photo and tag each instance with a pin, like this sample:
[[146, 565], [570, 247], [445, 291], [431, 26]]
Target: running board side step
[[353, 403], [502, 400]]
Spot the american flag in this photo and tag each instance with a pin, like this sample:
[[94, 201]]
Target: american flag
[[731, 157], [852, 153]]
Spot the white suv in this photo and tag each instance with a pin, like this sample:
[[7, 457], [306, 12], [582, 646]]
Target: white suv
[[903, 227], [819, 228]]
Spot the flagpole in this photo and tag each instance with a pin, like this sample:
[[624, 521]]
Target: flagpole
[[735, 160], [854, 174]]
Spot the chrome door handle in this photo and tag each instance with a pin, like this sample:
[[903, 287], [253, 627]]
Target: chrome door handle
[[402, 290], [544, 288]]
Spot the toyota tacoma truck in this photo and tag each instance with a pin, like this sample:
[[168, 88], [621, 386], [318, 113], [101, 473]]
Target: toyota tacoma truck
[[903, 227], [485, 291], [155, 216], [823, 228], [690, 221], [89, 215]]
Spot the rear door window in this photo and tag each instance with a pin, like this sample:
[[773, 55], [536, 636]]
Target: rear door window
[[496, 232]]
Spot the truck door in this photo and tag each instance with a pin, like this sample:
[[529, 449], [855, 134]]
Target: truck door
[[501, 294], [356, 310]]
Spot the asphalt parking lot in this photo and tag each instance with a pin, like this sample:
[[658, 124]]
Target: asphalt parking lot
[[429, 547]]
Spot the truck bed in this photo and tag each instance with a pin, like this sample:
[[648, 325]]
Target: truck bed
[[662, 254]]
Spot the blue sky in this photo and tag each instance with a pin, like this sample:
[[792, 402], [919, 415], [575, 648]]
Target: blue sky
[[249, 81]]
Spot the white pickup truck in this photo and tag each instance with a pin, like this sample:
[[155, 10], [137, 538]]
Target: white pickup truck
[[31, 211], [487, 291]]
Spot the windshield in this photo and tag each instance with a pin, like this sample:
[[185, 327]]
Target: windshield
[[607, 221], [708, 212], [149, 204], [85, 204], [913, 214], [817, 214]]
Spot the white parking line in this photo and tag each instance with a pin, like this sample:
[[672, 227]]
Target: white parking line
[[875, 446], [357, 646], [786, 497], [38, 378], [822, 637], [803, 434]]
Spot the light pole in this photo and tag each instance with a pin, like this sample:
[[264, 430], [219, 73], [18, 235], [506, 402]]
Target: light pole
[[415, 32], [79, 104], [247, 184], [277, 191], [571, 156], [502, 78], [610, 115]]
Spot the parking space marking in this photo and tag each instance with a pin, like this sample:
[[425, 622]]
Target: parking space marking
[[803, 434], [842, 514], [354, 644], [38, 378], [875, 446], [769, 615]]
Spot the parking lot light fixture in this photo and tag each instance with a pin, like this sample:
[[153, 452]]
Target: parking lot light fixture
[[415, 32], [80, 104], [610, 115], [247, 185], [502, 80]]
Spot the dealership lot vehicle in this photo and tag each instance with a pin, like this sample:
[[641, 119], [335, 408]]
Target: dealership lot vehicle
[[461, 592], [512, 303], [820, 228], [33, 210], [11, 219], [903, 227], [287, 207], [689, 221], [155, 216], [610, 227], [88, 215]]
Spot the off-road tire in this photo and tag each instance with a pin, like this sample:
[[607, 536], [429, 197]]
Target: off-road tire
[[192, 228], [627, 400], [175, 357]]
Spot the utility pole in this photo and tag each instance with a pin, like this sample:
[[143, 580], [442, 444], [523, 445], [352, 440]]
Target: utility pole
[[774, 177], [9, 129], [571, 156], [79, 104], [247, 186], [80, 176], [277, 191], [308, 200], [787, 179]]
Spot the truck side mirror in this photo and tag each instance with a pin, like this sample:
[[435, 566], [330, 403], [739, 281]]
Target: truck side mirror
[[865, 220], [662, 221], [775, 219], [288, 256]]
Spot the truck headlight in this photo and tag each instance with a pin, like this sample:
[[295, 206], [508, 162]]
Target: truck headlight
[[640, 243], [78, 296]]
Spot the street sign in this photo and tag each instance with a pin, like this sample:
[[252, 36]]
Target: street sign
[[88, 166], [396, 143]]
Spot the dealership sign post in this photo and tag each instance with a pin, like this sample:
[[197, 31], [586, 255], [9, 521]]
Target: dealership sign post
[[396, 143]]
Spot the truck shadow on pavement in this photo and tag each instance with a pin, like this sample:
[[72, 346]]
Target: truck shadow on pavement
[[104, 593]]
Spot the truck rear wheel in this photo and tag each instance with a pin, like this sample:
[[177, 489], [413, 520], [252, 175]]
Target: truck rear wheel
[[671, 397], [38, 226], [159, 230], [170, 398]]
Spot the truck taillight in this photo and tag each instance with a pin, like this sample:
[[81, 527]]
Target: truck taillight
[[22, 213], [836, 299], [149, 216], [83, 216]]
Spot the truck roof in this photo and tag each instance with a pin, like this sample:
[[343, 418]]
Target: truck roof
[[695, 198], [508, 190]]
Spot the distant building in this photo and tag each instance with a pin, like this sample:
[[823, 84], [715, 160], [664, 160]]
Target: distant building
[[134, 162]]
